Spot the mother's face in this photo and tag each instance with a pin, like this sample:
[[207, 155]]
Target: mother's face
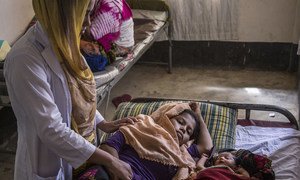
[[184, 125]]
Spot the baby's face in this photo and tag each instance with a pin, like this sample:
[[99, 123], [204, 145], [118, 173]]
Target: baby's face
[[225, 158]]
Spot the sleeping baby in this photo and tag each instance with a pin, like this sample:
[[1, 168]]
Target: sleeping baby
[[232, 164]]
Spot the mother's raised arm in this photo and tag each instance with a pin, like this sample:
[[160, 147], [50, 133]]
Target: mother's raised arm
[[204, 144]]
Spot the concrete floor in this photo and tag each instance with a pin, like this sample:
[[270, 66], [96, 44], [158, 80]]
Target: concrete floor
[[276, 88], [245, 86]]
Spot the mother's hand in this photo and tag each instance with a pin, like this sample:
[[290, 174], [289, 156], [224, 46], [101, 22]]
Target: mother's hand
[[195, 107]]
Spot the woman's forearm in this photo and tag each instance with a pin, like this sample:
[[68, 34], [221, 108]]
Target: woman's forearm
[[101, 157], [110, 150], [205, 142], [204, 145]]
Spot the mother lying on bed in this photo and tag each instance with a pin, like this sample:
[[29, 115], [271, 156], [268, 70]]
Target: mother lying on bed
[[156, 147]]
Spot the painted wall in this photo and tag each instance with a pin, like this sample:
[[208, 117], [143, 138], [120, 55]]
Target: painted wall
[[14, 18], [296, 35], [259, 20], [269, 20]]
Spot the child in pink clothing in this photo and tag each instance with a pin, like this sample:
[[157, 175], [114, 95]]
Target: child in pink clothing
[[112, 23]]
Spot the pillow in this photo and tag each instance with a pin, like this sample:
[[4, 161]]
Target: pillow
[[221, 121]]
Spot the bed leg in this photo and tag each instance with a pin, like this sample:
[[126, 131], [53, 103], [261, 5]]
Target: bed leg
[[107, 100], [170, 58], [169, 35], [247, 114]]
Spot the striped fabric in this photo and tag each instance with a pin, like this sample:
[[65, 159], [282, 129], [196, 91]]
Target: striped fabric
[[221, 121], [105, 23], [107, 19]]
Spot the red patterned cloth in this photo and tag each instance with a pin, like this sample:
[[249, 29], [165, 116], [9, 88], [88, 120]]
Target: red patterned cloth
[[218, 173], [256, 165]]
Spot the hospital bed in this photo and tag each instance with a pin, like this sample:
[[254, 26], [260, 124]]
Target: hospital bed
[[151, 22], [231, 125]]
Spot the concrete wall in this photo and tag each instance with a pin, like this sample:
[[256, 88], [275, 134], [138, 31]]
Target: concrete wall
[[14, 18], [296, 36], [269, 20], [259, 20]]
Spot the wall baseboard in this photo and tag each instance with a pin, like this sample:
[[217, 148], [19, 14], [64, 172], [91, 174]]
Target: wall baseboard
[[250, 55]]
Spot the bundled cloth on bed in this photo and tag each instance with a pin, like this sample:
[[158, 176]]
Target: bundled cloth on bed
[[281, 145]]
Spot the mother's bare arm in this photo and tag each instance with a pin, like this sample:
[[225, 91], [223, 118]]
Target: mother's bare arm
[[204, 144]]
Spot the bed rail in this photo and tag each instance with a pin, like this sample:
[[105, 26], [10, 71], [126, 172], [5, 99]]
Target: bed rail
[[3, 90], [233, 105]]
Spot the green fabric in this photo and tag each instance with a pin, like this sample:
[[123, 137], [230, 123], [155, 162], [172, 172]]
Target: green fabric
[[221, 121]]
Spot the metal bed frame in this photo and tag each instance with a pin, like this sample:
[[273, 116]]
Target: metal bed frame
[[166, 28], [3, 90], [238, 106]]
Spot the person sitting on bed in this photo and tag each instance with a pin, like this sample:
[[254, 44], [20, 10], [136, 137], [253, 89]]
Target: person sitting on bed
[[110, 35], [156, 147], [232, 164]]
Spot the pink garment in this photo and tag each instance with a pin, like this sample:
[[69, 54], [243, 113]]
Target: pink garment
[[107, 20]]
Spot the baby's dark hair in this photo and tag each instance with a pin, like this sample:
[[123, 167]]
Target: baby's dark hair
[[195, 135], [226, 150], [229, 150]]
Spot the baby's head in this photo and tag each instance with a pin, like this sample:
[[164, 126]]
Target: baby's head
[[226, 157], [258, 166]]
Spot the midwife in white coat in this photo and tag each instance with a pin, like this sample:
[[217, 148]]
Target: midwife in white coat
[[53, 95]]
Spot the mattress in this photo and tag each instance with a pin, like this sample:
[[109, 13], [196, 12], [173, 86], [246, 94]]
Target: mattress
[[281, 145]]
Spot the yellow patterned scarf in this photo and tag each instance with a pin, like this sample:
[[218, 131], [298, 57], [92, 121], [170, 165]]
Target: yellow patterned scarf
[[62, 21], [154, 138]]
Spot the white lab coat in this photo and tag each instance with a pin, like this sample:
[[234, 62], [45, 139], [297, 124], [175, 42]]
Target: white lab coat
[[47, 147]]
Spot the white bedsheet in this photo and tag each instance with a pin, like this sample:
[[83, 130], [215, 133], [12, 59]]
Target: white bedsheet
[[282, 145]]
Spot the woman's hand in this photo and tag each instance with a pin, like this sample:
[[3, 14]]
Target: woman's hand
[[112, 126], [114, 153], [119, 170], [125, 121], [243, 173], [195, 107], [201, 162]]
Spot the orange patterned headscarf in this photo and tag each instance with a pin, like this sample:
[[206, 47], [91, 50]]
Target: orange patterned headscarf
[[62, 21]]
